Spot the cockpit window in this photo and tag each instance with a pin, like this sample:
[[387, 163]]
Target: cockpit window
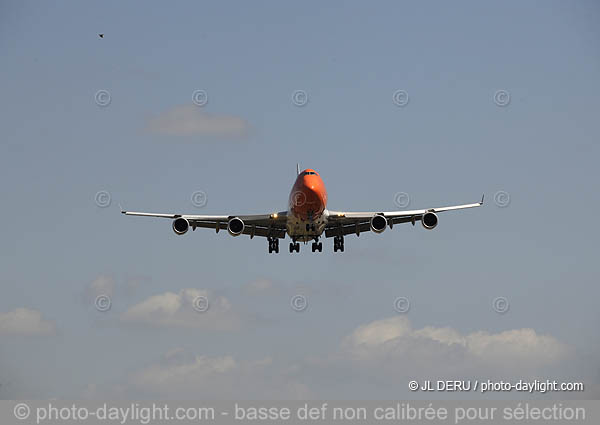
[[309, 173]]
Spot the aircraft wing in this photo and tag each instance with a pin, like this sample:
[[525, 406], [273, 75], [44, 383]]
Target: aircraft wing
[[273, 225], [343, 223]]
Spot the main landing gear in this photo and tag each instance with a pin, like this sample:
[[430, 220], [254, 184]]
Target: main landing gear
[[316, 246], [273, 245], [338, 244]]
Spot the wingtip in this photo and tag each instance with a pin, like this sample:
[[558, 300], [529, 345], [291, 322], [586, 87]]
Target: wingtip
[[122, 210], [481, 202]]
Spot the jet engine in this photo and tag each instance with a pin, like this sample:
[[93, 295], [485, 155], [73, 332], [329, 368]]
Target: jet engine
[[378, 223], [235, 227], [429, 220], [180, 225]]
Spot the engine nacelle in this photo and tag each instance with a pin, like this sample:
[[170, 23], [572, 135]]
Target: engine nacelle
[[378, 223], [235, 227], [429, 220], [180, 225]]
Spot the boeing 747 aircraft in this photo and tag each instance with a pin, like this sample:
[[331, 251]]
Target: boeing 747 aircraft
[[306, 219]]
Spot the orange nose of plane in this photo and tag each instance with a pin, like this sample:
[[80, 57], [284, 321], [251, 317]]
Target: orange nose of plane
[[308, 198]]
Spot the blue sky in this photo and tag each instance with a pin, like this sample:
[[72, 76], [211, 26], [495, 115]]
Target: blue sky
[[449, 144]]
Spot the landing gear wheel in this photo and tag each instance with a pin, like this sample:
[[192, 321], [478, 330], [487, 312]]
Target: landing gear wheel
[[294, 246], [338, 244], [273, 245], [317, 246]]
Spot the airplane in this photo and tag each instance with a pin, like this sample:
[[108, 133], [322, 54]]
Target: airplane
[[306, 219]]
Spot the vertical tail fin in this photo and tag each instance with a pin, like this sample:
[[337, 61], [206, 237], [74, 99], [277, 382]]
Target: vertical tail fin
[[298, 169]]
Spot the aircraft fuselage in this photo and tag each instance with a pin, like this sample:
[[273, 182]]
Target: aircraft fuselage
[[307, 214]]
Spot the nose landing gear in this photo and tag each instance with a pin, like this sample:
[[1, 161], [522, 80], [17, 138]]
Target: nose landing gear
[[338, 244], [317, 246], [310, 227], [273, 245]]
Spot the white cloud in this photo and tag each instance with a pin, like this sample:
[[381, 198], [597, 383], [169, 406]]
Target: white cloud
[[377, 359], [102, 285], [106, 284], [24, 321], [181, 374], [394, 345], [178, 310], [259, 286], [191, 120]]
